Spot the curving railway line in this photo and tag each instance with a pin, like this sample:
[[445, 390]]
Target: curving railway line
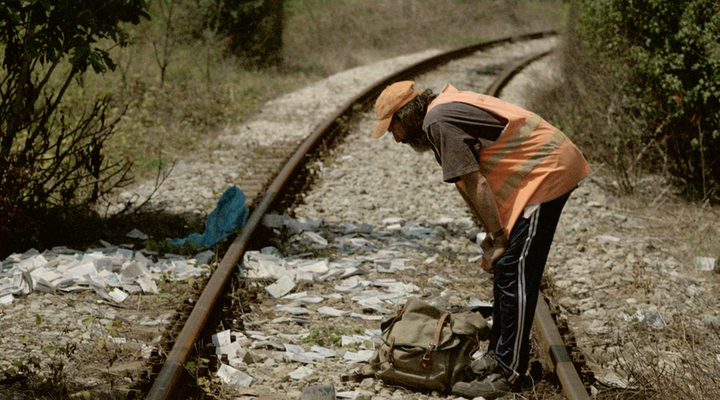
[[288, 172]]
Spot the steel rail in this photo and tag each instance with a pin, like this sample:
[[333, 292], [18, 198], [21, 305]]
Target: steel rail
[[553, 345], [166, 381], [503, 80], [550, 339]]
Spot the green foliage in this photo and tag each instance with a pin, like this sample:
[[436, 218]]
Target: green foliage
[[44, 32], [51, 155], [51, 383], [195, 365], [328, 335], [673, 50], [253, 28]]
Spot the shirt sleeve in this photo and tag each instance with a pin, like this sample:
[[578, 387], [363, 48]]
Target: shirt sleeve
[[455, 150]]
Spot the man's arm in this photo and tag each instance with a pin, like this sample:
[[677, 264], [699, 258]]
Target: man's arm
[[479, 197]]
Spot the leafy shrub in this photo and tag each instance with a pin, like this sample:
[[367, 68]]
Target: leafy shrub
[[253, 28], [51, 155], [673, 51]]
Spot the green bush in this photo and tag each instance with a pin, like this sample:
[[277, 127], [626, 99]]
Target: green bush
[[52, 157], [673, 51], [253, 28]]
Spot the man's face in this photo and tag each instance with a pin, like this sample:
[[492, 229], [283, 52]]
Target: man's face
[[398, 131], [414, 137]]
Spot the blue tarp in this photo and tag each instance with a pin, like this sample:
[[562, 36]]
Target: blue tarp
[[230, 213]]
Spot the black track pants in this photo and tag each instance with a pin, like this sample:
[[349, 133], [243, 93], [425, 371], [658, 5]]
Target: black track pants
[[516, 285]]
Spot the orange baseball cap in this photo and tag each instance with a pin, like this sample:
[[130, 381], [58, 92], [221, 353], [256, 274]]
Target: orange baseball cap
[[393, 98]]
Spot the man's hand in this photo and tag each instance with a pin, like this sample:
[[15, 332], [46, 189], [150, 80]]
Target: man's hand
[[492, 251]]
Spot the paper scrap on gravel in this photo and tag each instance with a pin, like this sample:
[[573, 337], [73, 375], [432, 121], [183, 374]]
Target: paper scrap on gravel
[[349, 279], [357, 357], [233, 377], [286, 273], [112, 272], [301, 372], [705, 263]]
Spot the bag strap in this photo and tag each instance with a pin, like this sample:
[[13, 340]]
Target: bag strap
[[425, 363], [389, 351], [389, 323]]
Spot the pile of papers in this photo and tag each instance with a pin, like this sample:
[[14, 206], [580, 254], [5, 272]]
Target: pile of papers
[[112, 272]]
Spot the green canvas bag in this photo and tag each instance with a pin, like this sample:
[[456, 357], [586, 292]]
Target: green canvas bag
[[426, 348]]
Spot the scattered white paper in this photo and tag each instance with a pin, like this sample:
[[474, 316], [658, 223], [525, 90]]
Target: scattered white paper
[[146, 351], [347, 340], [136, 234], [611, 379], [293, 310], [301, 373], [281, 287], [438, 281], [367, 317], [391, 220], [348, 394], [231, 350], [333, 312], [309, 300], [233, 377], [607, 238], [296, 353], [315, 266], [111, 271], [323, 351], [704, 263], [304, 277], [118, 295], [302, 224], [7, 299], [360, 356], [221, 338], [314, 238]]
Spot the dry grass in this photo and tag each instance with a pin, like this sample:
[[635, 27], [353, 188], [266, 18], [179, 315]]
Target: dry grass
[[202, 93], [685, 229], [679, 361], [691, 373], [342, 34]]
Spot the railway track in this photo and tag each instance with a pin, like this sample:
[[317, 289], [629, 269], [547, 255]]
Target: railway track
[[285, 173]]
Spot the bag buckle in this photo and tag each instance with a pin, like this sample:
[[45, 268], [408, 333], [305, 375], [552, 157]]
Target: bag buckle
[[425, 363], [426, 359]]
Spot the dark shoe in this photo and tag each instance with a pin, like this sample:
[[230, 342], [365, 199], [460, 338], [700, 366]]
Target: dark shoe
[[490, 387], [484, 365]]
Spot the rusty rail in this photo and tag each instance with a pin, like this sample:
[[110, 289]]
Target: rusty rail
[[553, 345], [503, 79], [166, 381]]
